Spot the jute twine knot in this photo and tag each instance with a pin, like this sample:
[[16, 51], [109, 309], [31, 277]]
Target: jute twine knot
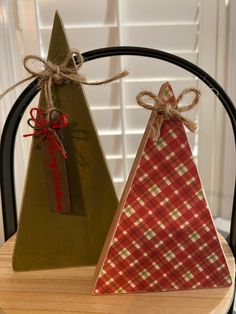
[[168, 111], [52, 73]]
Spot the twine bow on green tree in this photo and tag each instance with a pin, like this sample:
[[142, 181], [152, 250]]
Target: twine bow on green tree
[[66, 72], [58, 74]]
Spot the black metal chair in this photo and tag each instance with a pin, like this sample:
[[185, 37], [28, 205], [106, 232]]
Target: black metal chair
[[16, 113]]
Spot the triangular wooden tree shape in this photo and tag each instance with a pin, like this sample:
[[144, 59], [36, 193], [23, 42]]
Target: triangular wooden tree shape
[[46, 239], [163, 236]]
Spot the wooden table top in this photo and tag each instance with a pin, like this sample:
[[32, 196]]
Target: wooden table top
[[69, 291]]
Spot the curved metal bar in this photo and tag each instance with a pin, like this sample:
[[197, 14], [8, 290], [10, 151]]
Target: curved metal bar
[[7, 181], [15, 115]]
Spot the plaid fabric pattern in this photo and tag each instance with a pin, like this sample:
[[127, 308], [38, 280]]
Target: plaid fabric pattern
[[165, 238]]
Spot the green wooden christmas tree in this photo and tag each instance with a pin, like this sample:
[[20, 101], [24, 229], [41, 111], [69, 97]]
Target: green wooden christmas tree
[[46, 238]]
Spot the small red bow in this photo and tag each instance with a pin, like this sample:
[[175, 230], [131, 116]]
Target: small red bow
[[48, 127]]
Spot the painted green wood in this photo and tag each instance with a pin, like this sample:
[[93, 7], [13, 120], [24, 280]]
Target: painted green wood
[[46, 239]]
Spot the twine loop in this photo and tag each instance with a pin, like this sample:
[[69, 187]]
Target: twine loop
[[167, 111], [64, 72]]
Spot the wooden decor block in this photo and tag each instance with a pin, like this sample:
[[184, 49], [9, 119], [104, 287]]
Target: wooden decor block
[[69, 291], [163, 236], [46, 238]]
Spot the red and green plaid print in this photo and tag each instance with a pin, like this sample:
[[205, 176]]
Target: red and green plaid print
[[165, 238]]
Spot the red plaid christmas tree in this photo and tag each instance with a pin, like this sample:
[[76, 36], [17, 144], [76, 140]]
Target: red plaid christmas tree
[[163, 236]]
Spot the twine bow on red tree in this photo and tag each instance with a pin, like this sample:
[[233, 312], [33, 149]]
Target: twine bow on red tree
[[47, 125]]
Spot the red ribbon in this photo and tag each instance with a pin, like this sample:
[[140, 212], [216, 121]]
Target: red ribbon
[[48, 127]]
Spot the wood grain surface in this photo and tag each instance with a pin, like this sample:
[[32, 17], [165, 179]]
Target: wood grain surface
[[69, 291]]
